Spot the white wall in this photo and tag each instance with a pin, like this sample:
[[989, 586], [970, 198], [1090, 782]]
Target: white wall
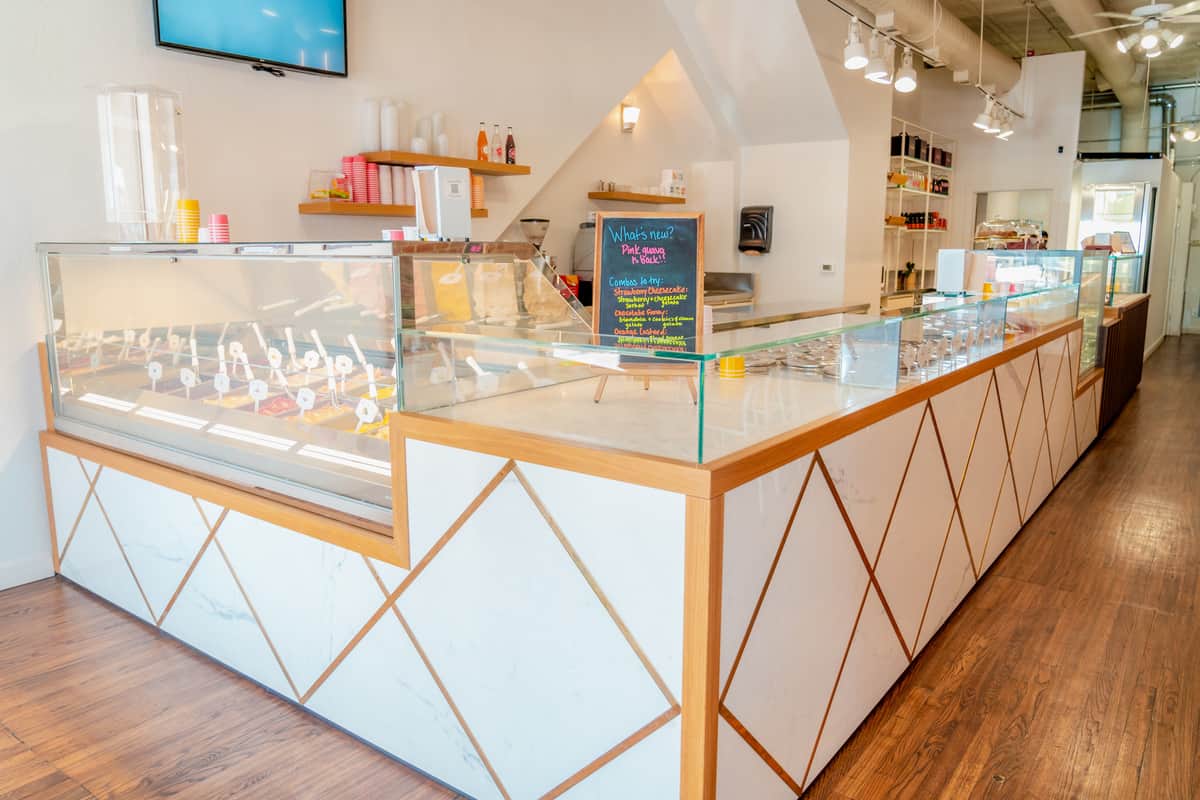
[[546, 67], [806, 182], [1159, 173], [674, 130], [1049, 95], [866, 110]]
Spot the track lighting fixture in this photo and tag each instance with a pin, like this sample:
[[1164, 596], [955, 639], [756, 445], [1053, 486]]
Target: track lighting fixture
[[984, 120], [877, 58], [1006, 128], [906, 77], [878, 70], [854, 54]]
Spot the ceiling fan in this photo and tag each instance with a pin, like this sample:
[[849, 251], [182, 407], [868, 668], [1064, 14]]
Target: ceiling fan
[[1153, 38]]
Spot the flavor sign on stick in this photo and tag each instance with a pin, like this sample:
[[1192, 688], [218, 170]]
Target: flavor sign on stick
[[649, 280]]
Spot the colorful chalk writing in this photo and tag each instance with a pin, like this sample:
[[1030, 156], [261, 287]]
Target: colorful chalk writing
[[647, 282]]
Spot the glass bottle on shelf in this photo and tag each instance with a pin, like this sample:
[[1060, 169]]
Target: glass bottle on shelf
[[481, 143], [510, 148], [496, 152]]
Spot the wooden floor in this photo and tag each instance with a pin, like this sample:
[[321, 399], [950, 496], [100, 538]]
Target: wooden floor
[[95, 704], [1073, 669]]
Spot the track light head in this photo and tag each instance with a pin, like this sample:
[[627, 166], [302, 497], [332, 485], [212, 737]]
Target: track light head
[[877, 70], [984, 120], [854, 54], [906, 77]]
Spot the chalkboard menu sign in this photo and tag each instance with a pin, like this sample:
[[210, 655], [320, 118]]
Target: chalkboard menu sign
[[648, 286]]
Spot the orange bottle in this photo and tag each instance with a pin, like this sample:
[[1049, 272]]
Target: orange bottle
[[481, 143]]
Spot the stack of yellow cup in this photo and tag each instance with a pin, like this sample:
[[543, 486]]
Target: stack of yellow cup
[[731, 367], [187, 221]]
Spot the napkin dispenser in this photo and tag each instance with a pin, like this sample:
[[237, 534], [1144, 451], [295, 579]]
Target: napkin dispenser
[[443, 201]]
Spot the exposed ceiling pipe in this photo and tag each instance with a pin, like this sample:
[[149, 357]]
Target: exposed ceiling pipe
[[928, 24], [1100, 101], [1118, 68]]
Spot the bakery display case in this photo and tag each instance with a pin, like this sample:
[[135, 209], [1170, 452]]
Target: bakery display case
[[1125, 276], [1008, 234]]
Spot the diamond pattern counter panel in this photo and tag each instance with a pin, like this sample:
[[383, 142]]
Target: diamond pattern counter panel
[[868, 547], [526, 654]]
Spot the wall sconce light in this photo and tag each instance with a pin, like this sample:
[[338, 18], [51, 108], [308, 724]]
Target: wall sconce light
[[629, 117]]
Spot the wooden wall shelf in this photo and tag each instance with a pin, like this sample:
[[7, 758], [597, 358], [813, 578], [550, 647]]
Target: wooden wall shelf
[[637, 197], [344, 209], [401, 158]]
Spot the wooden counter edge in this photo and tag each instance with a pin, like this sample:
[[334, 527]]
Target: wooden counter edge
[[366, 539], [743, 466], [620, 465], [1087, 379], [703, 550], [47, 395]]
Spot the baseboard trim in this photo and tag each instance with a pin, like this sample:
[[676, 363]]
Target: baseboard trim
[[1150, 350], [26, 570]]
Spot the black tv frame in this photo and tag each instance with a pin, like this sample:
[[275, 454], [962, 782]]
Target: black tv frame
[[259, 61]]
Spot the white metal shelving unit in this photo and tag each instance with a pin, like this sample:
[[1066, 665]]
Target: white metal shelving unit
[[918, 245]]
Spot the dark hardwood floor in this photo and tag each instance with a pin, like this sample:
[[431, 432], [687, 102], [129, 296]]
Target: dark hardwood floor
[[1073, 669], [96, 704]]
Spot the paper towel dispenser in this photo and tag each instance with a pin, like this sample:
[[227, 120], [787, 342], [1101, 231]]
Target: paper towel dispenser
[[754, 238]]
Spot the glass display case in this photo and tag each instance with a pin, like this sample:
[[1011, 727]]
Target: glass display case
[[1008, 234], [948, 332], [273, 365], [1093, 282], [269, 365], [1021, 270], [731, 390], [277, 366], [1034, 311], [1125, 275]]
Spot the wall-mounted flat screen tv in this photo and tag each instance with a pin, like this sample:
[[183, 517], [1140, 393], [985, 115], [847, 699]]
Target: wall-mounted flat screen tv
[[304, 35]]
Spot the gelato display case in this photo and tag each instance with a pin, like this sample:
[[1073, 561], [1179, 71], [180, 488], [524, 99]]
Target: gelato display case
[[948, 332], [275, 366], [272, 365], [736, 389], [267, 365], [1125, 275], [1093, 291]]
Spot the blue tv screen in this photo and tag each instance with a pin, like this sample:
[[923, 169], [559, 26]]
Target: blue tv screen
[[307, 35]]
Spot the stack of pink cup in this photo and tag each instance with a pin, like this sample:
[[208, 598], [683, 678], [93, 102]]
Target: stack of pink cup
[[218, 227], [348, 171], [373, 183], [358, 180]]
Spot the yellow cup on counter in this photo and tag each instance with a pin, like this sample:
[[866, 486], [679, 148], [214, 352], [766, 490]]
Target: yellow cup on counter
[[731, 367]]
